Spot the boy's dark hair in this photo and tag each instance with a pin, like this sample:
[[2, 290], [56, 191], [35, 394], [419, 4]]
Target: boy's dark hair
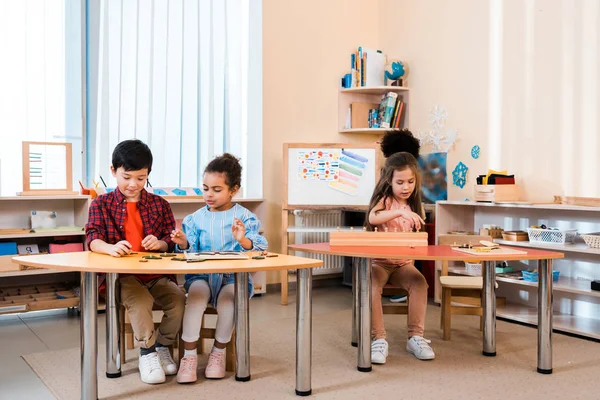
[[229, 165], [397, 141], [132, 155]]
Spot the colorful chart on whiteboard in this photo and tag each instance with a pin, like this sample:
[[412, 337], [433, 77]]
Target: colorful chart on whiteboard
[[342, 169]]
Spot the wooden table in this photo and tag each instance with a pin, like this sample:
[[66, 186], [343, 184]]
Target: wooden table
[[89, 264], [361, 316]]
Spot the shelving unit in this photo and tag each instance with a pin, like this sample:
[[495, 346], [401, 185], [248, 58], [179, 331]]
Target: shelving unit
[[71, 210], [576, 306], [370, 95]]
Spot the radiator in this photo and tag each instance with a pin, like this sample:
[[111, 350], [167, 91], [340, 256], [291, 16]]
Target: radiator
[[323, 222]]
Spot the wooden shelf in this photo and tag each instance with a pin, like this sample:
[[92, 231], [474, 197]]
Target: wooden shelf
[[377, 131], [564, 284], [573, 248], [589, 327], [45, 198], [43, 234], [375, 89], [534, 206]]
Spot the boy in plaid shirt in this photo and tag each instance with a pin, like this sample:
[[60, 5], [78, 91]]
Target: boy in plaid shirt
[[129, 219]]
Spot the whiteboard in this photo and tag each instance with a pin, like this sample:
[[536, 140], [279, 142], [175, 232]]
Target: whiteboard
[[331, 176]]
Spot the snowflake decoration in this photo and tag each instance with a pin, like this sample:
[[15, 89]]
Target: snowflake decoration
[[475, 152], [459, 175], [440, 139]]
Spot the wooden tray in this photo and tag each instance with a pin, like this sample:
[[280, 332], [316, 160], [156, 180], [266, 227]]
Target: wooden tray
[[578, 201]]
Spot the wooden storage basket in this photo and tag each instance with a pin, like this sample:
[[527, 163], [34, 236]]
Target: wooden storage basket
[[592, 240]]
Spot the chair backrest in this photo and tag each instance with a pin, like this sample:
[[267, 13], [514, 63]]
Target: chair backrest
[[459, 239]]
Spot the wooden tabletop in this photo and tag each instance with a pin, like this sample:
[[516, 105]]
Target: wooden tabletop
[[437, 253], [86, 261]]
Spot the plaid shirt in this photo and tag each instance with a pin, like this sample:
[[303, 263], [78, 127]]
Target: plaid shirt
[[106, 220]]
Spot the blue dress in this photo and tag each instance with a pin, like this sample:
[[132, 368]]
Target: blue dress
[[211, 231]]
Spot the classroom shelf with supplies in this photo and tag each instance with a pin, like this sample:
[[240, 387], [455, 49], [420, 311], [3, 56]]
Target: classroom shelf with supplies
[[576, 305], [35, 224], [354, 105]]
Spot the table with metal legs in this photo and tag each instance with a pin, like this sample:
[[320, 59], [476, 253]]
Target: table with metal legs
[[242, 331], [361, 313]]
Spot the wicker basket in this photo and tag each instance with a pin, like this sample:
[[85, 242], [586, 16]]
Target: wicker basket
[[558, 236], [592, 240]]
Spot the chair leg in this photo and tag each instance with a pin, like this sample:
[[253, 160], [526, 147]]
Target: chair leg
[[447, 312], [129, 340], [230, 355], [180, 348], [200, 346], [481, 323], [284, 287]]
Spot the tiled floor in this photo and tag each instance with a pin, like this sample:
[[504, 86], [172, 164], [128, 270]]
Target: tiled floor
[[54, 330]]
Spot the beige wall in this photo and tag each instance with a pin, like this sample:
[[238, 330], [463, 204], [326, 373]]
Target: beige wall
[[520, 78], [533, 109], [306, 49]]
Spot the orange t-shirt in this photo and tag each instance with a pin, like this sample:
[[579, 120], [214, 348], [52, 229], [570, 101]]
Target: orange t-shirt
[[134, 234]]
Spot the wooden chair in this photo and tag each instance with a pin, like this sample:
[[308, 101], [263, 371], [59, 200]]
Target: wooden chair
[[209, 333], [395, 308], [461, 295]]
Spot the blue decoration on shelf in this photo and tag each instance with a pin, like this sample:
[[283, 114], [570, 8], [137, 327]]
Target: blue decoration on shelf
[[459, 175], [179, 192], [160, 192], [198, 191], [475, 152], [397, 71]]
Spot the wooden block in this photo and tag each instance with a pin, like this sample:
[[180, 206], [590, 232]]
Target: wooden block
[[379, 239]]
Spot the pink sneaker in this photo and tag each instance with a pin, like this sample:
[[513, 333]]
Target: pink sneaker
[[187, 370], [216, 366]]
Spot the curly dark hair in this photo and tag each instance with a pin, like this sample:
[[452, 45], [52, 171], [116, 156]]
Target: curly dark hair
[[397, 141], [229, 165]]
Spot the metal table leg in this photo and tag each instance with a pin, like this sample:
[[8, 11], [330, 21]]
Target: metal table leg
[[364, 333], [544, 365], [355, 301], [303, 332], [113, 328], [489, 308], [88, 304], [242, 328]]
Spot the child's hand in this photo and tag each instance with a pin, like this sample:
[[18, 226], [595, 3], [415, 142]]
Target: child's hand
[[238, 230], [179, 238], [151, 243], [122, 248], [412, 217]]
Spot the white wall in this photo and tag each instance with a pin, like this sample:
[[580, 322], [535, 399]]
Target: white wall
[[520, 78]]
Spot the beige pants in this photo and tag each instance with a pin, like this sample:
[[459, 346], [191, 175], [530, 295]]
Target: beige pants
[[408, 278], [138, 298]]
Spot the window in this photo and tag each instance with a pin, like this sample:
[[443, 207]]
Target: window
[[177, 75], [40, 81]]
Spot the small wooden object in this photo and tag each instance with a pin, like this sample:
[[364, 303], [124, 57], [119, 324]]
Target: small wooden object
[[378, 239], [515, 236], [41, 157]]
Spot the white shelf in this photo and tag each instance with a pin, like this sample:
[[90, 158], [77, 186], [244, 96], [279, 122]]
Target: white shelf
[[375, 89], [43, 234], [573, 248], [45, 198], [535, 206], [564, 284], [183, 200], [589, 327], [317, 229], [377, 131]]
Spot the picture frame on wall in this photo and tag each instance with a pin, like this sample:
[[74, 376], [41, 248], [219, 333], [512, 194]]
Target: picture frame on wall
[[47, 169]]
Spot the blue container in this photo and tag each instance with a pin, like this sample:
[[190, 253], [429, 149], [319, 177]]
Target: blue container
[[8, 248], [532, 276]]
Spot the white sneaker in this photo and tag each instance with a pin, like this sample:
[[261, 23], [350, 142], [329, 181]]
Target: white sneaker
[[166, 361], [150, 370], [379, 351], [420, 348]]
